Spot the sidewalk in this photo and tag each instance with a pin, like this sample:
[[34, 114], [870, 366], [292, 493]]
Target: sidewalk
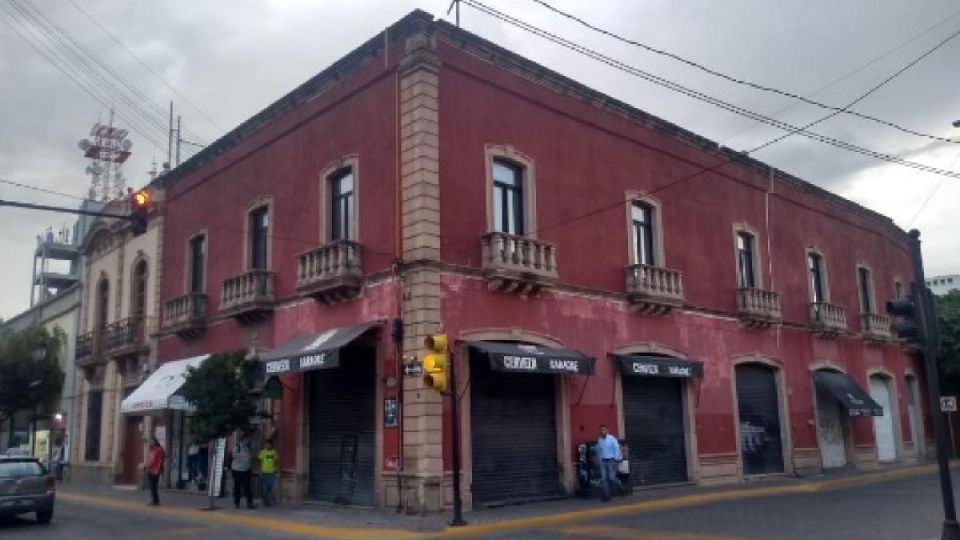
[[352, 522]]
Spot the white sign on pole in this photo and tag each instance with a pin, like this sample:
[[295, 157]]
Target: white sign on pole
[[216, 473], [948, 403]]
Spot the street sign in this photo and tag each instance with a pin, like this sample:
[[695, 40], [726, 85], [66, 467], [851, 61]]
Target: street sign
[[948, 403], [412, 370]]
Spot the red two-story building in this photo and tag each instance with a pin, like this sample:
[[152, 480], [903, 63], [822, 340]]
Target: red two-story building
[[725, 326]]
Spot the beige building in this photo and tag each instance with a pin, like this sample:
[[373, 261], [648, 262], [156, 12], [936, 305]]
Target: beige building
[[116, 347]]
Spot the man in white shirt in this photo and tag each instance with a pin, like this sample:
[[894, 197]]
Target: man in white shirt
[[608, 453]]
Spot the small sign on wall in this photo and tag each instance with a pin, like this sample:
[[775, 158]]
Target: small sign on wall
[[391, 413], [948, 403]]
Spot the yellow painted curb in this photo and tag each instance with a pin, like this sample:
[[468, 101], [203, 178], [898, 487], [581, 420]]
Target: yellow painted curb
[[266, 523], [678, 502]]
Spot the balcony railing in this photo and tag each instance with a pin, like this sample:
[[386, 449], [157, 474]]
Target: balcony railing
[[331, 272], [875, 327], [248, 296], [518, 264], [652, 289], [828, 319], [758, 307], [84, 351], [129, 337], [185, 315]]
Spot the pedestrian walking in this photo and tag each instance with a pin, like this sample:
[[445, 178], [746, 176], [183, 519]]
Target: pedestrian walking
[[267, 458], [193, 459], [155, 469], [240, 461], [608, 452]]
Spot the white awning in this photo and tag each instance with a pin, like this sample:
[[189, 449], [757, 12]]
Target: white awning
[[157, 392]]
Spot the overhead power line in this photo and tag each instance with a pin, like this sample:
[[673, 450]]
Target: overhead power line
[[704, 170], [70, 72], [739, 81], [676, 87], [40, 189], [146, 66]]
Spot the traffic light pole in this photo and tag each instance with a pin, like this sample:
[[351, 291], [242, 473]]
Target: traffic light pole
[[928, 323], [454, 392]]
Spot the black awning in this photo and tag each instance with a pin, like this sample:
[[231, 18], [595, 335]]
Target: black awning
[[526, 358], [312, 351], [658, 366], [851, 396]]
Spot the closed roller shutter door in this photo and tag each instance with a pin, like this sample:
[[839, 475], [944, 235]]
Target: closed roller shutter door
[[653, 419], [342, 425], [514, 435], [759, 412]]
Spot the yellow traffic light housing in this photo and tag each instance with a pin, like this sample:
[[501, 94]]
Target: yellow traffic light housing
[[434, 362]]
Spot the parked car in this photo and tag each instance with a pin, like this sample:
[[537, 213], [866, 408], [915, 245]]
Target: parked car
[[26, 486]]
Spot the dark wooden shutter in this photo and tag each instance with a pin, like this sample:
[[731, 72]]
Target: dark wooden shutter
[[342, 422], [653, 420], [759, 410], [514, 435]]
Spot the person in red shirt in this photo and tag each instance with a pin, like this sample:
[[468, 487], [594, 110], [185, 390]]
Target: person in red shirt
[[155, 469]]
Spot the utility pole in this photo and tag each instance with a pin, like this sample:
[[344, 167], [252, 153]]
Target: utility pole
[[179, 140], [931, 345]]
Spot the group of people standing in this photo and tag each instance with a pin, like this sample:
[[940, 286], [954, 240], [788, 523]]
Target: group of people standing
[[239, 461]]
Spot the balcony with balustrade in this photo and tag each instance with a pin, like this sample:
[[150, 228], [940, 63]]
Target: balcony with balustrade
[[129, 337], [186, 315], [652, 289], [331, 273], [518, 264], [758, 308], [875, 328], [828, 320], [248, 297], [86, 349]]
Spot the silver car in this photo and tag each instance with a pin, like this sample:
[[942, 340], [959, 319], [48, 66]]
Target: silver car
[[26, 486]]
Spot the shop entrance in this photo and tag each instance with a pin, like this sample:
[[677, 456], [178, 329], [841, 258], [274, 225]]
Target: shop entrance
[[342, 428]]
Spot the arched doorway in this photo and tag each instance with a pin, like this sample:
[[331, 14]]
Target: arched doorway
[[758, 413], [883, 428], [914, 416], [832, 428]]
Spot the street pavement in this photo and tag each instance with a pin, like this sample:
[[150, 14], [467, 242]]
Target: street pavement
[[900, 504]]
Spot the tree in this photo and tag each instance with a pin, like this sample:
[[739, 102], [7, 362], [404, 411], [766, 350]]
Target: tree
[[219, 390], [30, 374], [948, 316]]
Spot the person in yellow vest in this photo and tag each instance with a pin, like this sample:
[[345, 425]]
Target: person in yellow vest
[[268, 472]]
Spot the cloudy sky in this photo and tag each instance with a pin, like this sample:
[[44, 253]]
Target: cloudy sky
[[229, 59]]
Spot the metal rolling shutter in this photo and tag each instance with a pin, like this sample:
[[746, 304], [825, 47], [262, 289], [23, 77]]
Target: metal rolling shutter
[[653, 419], [342, 425], [759, 411], [514, 435]]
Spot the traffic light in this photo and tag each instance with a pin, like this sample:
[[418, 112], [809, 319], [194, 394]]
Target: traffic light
[[435, 362], [908, 325], [139, 206]]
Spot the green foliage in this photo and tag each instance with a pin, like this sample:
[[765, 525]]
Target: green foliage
[[948, 316], [28, 384], [220, 391]]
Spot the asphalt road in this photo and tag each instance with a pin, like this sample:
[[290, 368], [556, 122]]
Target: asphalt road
[[901, 509]]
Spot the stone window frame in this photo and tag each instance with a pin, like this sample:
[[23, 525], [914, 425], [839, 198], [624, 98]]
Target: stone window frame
[[259, 202], [899, 289], [348, 161], [188, 260], [141, 257], [659, 253], [744, 227], [824, 273], [871, 288], [508, 153]]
